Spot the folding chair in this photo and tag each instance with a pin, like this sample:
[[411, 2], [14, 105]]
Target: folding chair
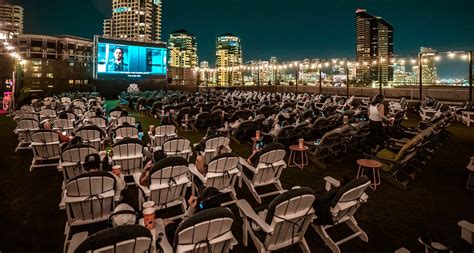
[[46, 150]]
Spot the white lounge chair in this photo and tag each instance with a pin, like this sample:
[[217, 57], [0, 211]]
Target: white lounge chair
[[282, 224], [222, 173], [162, 134], [168, 184], [267, 172], [178, 147], [46, 150], [207, 231], [342, 207]]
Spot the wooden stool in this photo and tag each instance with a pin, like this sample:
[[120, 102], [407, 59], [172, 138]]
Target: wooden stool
[[304, 156], [370, 164]]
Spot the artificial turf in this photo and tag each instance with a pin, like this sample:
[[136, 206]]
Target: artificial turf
[[392, 218]]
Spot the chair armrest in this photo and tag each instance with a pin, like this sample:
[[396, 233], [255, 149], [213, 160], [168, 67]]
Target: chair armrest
[[330, 182], [144, 189], [62, 204], [247, 211], [466, 225], [76, 240], [160, 230], [364, 197], [248, 166], [192, 168]]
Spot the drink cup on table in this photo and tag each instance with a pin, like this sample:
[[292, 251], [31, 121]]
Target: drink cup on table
[[117, 170], [301, 143], [149, 214]]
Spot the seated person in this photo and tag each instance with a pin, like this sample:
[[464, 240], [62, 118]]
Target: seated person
[[47, 125], [201, 165], [255, 156], [92, 163], [208, 199]]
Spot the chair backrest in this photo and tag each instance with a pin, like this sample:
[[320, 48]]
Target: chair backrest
[[207, 231], [168, 181], [48, 113], [27, 108], [177, 147], [126, 131], [270, 164], [212, 144], [129, 119], [222, 171], [129, 154], [121, 239], [45, 144], [72, 157], [165, 130], [28, 124], [63, 124], [289, 214], [29, 115], [90, 197], [347, 199], [78, 103], [99, 121]]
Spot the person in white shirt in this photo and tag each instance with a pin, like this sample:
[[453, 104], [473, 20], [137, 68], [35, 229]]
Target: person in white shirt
[[377, 118]]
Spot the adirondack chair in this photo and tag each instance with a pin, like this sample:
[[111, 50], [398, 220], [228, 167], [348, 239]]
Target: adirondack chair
[[207, 231], [45, 147], [338, 206], [168, 184], [282, 224], [222, 173], [267, 172], [121, 239]]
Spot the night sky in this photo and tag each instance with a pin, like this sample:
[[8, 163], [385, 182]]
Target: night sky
[[289, 30]]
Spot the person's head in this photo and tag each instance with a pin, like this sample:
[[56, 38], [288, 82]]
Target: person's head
[[118, 54], [123, 113], [221, 149], [76, 140], [92, 162], [46, 125], [378, 100], [209, 199], [98, 112], [62, 115], [212, 130]]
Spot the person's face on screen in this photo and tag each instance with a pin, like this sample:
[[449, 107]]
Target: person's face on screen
[[118, 54]]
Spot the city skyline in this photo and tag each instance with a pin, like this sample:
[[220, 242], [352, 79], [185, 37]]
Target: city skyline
[[267, 29]]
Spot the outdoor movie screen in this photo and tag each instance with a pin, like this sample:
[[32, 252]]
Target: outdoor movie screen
[[122, 60]]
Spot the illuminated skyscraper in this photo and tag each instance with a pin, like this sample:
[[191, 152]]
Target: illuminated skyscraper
[[374, 47], [429, 72], [182, 48], [137, 20], [228, 59], [182, 51], [11, 21]]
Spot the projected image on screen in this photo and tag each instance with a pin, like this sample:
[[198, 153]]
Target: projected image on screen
[[115, 59]]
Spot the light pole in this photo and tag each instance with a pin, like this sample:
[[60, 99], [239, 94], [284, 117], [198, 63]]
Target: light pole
[[420, 76], [347, 78], [320, 77], [470, 75]]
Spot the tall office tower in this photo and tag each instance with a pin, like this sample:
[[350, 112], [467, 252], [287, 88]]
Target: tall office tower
[[11, 21], [182, 52], [429, 72], [374, 47], [136, 20], [228, 59], [182, 49]]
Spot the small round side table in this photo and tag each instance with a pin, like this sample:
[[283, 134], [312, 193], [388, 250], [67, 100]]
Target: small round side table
[[370, 164], [294, 149]]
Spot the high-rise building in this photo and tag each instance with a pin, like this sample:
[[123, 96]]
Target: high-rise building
[[374, 47], [429, 72], [11, 21], [228, 59], [136, 20], [182, 49], [182, 56]]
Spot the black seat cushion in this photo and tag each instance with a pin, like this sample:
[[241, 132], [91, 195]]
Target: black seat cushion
[[112, 236]]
